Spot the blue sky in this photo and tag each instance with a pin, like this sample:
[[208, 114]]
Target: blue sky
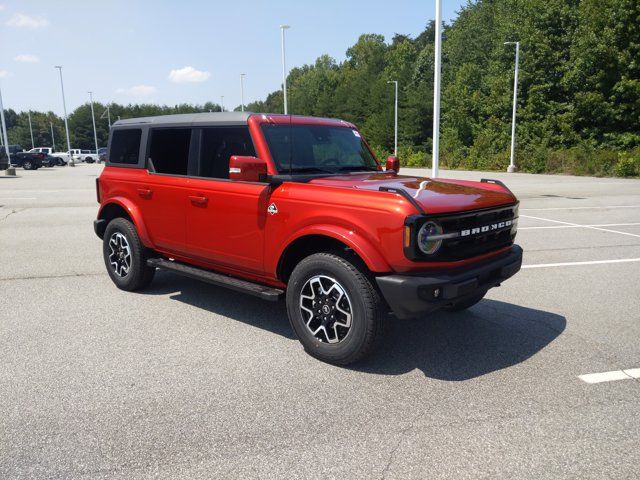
[[179, 52]]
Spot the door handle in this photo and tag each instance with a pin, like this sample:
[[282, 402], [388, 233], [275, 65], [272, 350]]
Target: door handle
[[198, 201], [145, 192]]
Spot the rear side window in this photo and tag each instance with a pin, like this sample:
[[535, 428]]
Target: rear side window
[[125, 146], [169, 151], [218, 145]]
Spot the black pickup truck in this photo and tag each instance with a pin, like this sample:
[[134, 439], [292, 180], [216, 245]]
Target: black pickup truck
[[20, 158]]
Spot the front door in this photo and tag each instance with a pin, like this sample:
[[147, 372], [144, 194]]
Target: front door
[[225, 218]]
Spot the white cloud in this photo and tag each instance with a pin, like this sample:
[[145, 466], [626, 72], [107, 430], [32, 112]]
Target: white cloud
[[27, 58], [20, 20], [188, 75], [138, 91], [4, 74], [2, 7]]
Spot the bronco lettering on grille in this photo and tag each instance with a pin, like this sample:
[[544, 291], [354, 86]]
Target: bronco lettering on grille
[[486, 228]]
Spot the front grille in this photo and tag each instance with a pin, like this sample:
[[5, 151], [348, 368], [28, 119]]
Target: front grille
[[461, 248]]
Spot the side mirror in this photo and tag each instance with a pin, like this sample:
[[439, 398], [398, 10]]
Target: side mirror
[[393, 163], [247, 169]]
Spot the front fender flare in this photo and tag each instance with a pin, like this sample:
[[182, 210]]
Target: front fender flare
[[134, 213], [350, 237]]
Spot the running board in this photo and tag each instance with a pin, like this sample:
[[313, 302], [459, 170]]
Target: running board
[[262, 291]]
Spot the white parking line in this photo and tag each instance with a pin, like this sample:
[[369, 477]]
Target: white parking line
[[578, 226], [591, 262], [597, 207], [583, 226], [630, 374], [2, 199]]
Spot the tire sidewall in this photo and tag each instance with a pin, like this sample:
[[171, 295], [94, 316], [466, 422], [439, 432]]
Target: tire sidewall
[[356, 337], [131, 280]]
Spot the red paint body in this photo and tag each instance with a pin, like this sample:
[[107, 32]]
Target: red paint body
[[224, 225]]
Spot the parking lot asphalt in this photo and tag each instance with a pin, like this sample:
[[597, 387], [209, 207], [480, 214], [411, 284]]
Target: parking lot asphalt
[[186, 380]]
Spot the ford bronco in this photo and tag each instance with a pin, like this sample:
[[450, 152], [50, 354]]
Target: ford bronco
[[299, 207]]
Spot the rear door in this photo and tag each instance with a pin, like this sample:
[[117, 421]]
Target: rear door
[[162, 191], [225, 218]]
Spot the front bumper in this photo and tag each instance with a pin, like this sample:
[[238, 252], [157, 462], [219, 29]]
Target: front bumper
[[413, 295]]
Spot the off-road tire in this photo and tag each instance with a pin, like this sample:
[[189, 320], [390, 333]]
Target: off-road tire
[[365, 304], [466, 303], [139, 275]]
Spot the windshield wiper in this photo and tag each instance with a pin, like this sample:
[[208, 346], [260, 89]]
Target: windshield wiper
[[357, 168], [310, 170]]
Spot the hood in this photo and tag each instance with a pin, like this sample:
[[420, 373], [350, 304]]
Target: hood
[[435, 196]]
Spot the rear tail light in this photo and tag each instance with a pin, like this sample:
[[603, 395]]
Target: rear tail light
[[98, 190]]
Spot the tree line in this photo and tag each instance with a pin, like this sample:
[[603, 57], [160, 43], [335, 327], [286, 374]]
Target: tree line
[[578, 101]]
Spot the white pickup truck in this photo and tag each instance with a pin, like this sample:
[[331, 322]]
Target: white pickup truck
[[88, 156], [62, 158]]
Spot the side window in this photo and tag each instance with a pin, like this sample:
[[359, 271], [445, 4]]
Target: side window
[[218, 145], [169, 151], [125, 146]]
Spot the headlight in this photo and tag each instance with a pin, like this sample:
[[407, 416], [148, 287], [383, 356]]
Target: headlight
[[426, 243]]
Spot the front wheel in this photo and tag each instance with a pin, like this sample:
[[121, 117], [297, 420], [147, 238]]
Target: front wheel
[[27, 165], [334, 309], [125, 256]]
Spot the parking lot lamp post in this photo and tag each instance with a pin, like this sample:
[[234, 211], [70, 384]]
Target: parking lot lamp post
[[31, 130], [435, 160], [66, 123], [242, 92], [53, 139], [222, 103], [284, 70], [512, 164], [395, 128], [10, 170], [93, 118]]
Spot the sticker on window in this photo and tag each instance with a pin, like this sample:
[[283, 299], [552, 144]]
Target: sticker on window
[[356, 133]]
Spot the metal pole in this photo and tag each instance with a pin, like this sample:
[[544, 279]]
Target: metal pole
[[93, 118], [53, 139], [10, 170], [242, 92], [284, 70], [31, 130], [436, 92], [222, 103], [395, 128], [109, 116], [512, 164], [66, 124]]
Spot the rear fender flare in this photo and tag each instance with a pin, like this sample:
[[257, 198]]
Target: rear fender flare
[[134, 213]]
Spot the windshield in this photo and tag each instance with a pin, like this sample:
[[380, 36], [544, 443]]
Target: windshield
[[317, 148]]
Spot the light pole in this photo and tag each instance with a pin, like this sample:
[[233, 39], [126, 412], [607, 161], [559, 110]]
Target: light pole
[[10, 170], [93, 118], [242, 91], [53, 139], [284, 69], [512, 164], [30, 130], [108, 112], [66, 123], [395, 128], [222, 103], [435, 163]]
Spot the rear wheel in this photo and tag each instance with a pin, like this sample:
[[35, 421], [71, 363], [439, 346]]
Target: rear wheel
[[334, 309], [125, 256], [27, 165]]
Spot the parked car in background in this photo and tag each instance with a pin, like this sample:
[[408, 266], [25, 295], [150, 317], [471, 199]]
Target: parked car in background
[[26, 160], [59, 158], [102, 155], [88, 156]]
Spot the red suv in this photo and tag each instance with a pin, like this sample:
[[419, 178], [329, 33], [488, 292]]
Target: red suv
[[299, 207]]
